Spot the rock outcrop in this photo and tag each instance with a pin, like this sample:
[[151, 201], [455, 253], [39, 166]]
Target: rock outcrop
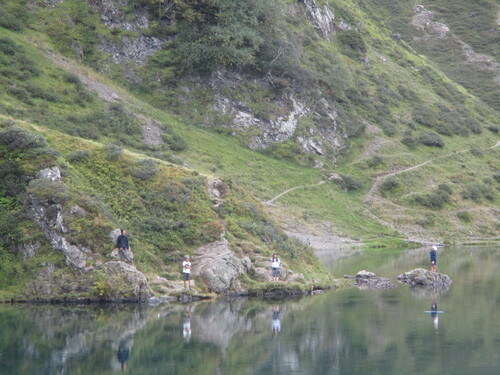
[[218, 266], [48, 215], [367, 279], [423, 277], [123, 281]]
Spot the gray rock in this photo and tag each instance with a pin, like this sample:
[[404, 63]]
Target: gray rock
[[124, 281], [217, 265], [420, 276]]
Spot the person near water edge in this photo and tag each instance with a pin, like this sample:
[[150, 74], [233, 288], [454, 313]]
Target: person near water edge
[[433, 256]]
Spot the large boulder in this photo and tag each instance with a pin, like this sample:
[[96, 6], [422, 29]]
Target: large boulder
[[423, 277], [121, 281], [218, 266]]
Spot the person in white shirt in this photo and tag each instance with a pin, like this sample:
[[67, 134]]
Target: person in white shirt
[[186, 271], [275, 267]]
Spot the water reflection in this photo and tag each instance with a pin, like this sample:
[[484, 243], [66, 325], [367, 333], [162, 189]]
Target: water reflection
[[348, 332]]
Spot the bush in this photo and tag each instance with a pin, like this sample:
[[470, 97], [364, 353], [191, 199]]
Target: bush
[[78, 156], [354, 45], [389, 129], [431, 139], [424, 116], [53, 192], [476, 192], [113, 152], [349, 183], [464, 216], [389, 185], [145, 169], [175, 142], [374, 162], [409, 140], [18, 138], [494, 129]]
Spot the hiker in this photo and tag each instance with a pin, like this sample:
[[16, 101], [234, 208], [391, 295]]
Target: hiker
[[433, 259], [122, 245], [186, 271], [275, 267]]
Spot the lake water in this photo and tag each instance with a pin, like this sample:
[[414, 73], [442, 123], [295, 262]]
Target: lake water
[[344, 332]]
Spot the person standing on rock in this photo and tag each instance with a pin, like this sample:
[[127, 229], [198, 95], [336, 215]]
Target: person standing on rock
[[433, 255], [122, 245], [275, 267], [186, 271]]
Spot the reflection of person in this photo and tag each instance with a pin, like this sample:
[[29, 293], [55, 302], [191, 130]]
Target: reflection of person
[[186, 271], [186, 325], [122, 354], [122, 245], [276, 324], [275, 267], [434, 312], [433, 256]]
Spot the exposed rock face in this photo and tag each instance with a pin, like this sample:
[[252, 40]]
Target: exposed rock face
[[321, 18], [218, 266], [423, 19], [49, 218], [124, 281], [324, 129], [420, 276]]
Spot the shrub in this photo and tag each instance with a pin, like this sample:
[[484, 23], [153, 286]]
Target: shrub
[[78, 156], [175, 142], [18, 138], [424, 116], [493, 128], [349, 183], [409, 140], [113, 152], [464, 216], [433, 200], [389, 185], [374, 162], [430, 139], [354, 45], [53, 192], [145, 169], [476, 192], [389, 128]]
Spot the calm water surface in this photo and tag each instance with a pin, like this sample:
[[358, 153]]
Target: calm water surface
[[345, 332]]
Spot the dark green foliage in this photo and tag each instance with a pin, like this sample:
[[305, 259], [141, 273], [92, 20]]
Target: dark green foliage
[[53, 192], [145, 169], [464, 216], [388, 185], [114, 121], [409, 140], [494, 129], [374, 162], [220, 33], [78, 156], [353, 43], [389, 128], [17, 138], [424, 116], [113, 152], [430, 139], [476, 192], [175, 142], [349, 183], [437, 199], [13, 14]]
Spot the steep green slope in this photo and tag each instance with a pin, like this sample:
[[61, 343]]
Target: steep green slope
[[406, 152]]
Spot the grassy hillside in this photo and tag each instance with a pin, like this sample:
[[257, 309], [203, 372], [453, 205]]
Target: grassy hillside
[[137, 142]]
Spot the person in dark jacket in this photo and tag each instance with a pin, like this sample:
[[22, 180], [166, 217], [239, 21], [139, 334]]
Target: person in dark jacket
[[122, 244], [433, 256]]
